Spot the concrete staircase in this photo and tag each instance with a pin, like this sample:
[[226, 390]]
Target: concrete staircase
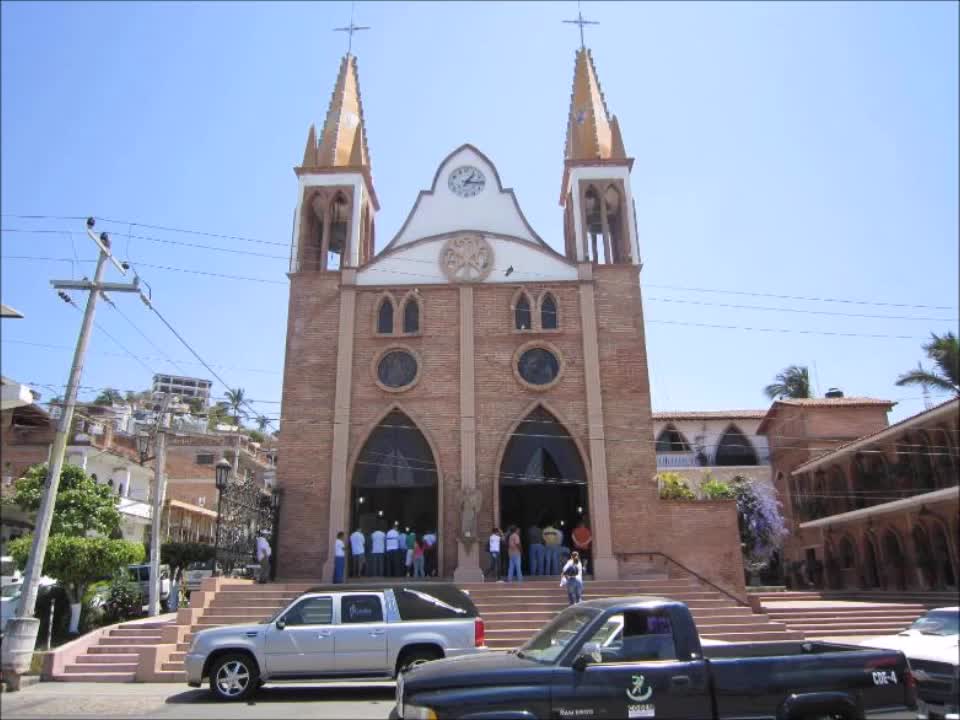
[[115, 656], [819, 616]]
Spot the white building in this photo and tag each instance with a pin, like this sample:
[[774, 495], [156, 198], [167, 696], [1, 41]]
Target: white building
[[185, 387], [721, 444]]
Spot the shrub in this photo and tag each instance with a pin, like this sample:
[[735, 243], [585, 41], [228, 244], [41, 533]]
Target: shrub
[[761, 523], [714, 489], [179, 555], [674, 487], [56, 595], [124, 600]]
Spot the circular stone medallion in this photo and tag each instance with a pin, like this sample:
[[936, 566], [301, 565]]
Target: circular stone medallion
[[466, 258]]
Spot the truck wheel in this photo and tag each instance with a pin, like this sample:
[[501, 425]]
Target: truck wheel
[[234, 677], [414, 658]]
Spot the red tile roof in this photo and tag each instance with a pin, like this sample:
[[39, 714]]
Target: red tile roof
[[821, 402], [707, 414]]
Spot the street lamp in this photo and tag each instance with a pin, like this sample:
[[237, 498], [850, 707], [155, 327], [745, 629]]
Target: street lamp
[[223, 469], [275, 498]]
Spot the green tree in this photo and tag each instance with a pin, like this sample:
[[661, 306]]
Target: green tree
[[256, 436], [216, 415], [82, 505], [262, 423], [179, 555], [196, 405], [76, 562], [792, 382], [108, 396], [235, 397], [944, 350]]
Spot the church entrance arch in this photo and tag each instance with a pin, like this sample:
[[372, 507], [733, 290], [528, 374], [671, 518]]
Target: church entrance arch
[[395, 480], [542, 478]]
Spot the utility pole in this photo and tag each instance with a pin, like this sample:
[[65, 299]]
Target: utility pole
[[159, 490], [22, 630]]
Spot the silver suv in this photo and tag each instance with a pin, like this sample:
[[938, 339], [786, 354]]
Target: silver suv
[[338, 631]]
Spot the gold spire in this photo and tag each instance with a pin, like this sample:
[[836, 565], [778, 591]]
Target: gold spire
[[343, 141], [591, 134], [310, 151]]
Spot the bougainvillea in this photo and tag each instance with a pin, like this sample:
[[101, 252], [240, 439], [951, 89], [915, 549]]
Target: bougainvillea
[[761, 522]]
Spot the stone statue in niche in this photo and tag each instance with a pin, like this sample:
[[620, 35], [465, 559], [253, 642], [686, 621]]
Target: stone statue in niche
[[470, 500]]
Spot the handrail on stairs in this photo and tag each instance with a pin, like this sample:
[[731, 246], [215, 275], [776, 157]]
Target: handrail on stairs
[[739, 601]]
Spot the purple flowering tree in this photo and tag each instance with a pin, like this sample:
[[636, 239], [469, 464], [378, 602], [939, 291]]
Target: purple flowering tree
[[761, 521]]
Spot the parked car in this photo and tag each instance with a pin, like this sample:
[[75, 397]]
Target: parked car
[[195, 573], [360, 631], [10, 600], [141, 574], [932, 648], [9, 573], [641, 657]]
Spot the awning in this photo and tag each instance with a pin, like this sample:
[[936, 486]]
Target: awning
[[192, 508], [950, 493]]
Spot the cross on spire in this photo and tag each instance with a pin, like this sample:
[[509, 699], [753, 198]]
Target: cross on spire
[[581, 22], [350, 30]]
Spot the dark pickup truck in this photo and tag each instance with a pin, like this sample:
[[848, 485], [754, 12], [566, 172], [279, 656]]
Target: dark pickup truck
[[640, 657]]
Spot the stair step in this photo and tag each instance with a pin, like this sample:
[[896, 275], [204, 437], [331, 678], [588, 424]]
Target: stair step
[[107, 658], [178, 656], [128, 641], [121, 647], [136, 633], [110, 668], [125, 677]]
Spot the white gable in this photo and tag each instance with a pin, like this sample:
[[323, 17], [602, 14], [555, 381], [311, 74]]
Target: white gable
[[419, 264], [438, 210]]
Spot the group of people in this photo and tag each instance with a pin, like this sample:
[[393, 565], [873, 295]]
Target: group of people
[[394, 553], [548, 553]]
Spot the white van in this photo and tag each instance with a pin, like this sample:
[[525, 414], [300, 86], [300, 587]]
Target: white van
[[141, 574]]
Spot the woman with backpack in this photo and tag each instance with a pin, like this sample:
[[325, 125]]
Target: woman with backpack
[[572, 577]]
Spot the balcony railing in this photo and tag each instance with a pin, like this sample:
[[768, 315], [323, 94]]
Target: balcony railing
[[676, 460]]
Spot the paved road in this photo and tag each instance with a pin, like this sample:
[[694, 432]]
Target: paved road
[[159, 700]]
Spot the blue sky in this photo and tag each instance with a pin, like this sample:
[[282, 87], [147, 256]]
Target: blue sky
[[796, 149]]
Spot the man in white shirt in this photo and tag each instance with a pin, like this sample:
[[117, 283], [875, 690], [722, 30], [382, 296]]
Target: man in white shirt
[[494, 548], [378, 539], [263, 557], [358, 561], [394, 555], [339, 558], [430, 553]]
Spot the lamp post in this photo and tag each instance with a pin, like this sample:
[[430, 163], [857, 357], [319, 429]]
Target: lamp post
[[223, 477], [275, 498]]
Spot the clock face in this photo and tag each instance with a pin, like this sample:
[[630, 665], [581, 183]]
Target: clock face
[[466, 181]]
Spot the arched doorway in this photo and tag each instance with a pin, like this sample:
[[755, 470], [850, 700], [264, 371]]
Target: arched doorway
[[941, 552], [871, 570], [735, 448], [926, 568], [542, 476], [894, 562], [848, 562], [394, 479]]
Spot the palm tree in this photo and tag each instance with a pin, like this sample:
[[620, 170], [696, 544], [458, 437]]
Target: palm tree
[[235, 398], [792, 382], [262, 423], [945, 353]]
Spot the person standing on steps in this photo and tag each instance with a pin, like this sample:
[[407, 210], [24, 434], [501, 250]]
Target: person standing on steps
[[394, 561], [430, 553], [535, 550], [339, 558], [493, 545], [410, 542], [263, 557], [358, 558], [572, 577], [418, 559], [582, 538], [551, 543], [377, 546], [515, 551]]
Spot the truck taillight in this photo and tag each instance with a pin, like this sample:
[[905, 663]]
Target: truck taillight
[[911, 684], [479, 633]]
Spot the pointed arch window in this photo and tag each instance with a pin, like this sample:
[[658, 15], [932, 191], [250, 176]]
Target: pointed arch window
[[548, 313], [735, 448], [522, 318], [385, 317], [671, 440], [411, 317]]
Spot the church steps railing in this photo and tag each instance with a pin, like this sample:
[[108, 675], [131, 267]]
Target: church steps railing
[[742, 602]]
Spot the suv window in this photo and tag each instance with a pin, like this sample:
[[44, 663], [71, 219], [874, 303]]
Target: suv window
[[635, 636], [312, 611], [361, 609]]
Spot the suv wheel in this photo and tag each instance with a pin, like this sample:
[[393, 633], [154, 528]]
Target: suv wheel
[[415, 658], [234, 677]]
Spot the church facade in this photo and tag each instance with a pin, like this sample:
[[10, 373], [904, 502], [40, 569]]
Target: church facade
[[468, 375]]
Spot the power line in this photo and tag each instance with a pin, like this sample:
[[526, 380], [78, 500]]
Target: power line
[[102, 329], [799, 310]]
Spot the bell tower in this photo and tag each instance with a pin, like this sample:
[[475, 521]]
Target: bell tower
[[334, 219], [599, 220]]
